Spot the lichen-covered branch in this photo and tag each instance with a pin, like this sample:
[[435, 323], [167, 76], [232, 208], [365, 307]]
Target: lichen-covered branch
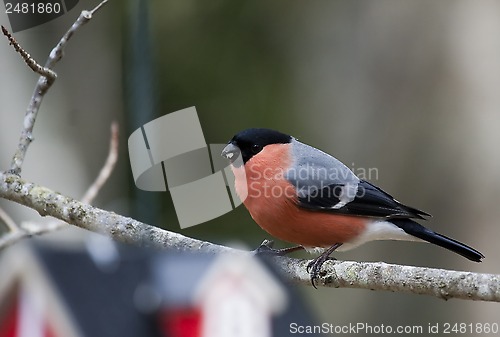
[[376, 276], [45, 81], [48, 202], [440, 283]]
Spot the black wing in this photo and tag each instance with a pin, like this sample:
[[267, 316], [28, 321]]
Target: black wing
[[369, 201]]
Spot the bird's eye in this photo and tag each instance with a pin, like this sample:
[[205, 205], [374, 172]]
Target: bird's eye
[[256, 148]]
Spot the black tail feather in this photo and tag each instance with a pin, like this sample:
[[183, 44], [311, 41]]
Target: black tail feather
[[413, 228]]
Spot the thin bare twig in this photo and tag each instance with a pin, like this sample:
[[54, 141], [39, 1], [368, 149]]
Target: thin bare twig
[[44, 83], [98, 7], [11, 237], [28, 229], [30, 61], [58, 52], [107, 169], [8, 221]]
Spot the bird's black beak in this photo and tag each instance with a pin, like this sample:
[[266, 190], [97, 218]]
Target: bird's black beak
[[231, 152]]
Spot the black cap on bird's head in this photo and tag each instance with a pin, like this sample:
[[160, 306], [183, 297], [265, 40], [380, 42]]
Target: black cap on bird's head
[[249, 142]]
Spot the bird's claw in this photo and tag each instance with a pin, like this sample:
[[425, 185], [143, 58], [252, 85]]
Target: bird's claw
[[266, 248], [315, 267], [316, 264]]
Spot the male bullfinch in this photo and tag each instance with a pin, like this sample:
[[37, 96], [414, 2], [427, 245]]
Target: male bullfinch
[[300, 194]]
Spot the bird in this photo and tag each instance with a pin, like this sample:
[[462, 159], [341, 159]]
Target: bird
[[302, 195]]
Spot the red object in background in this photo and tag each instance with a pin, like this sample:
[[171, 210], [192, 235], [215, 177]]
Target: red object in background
[[180, 323], [10, 323], [8, 326], [49, 331]]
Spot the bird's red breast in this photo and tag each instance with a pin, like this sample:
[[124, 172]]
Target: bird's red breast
[[272, 203]]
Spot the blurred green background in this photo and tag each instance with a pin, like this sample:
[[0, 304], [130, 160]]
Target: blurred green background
[[408, 88]]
